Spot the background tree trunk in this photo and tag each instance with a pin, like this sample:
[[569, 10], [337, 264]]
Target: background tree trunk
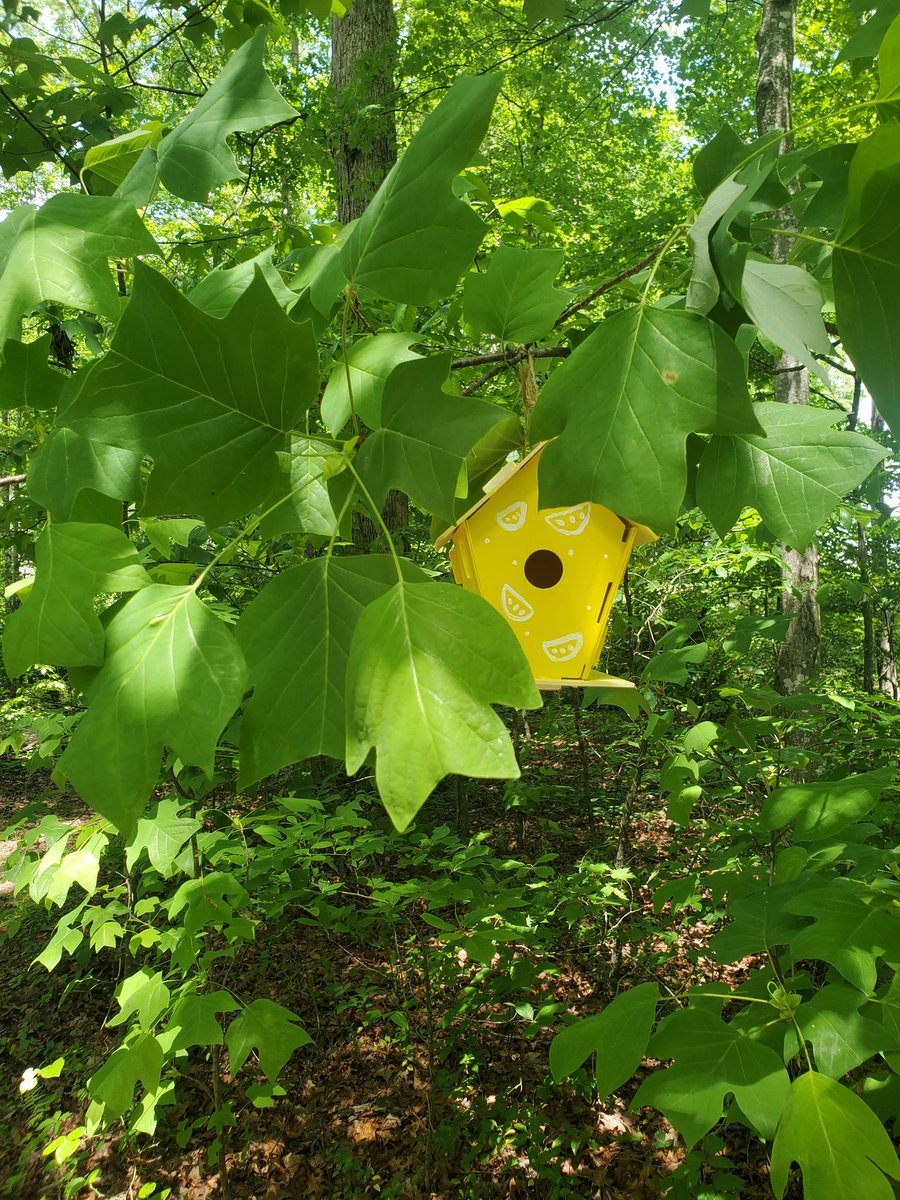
[[799, 657]]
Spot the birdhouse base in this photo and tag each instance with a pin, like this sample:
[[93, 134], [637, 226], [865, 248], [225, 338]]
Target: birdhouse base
[[596, 679]]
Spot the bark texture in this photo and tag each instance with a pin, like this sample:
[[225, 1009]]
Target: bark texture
[[800, 656], [363, 55]]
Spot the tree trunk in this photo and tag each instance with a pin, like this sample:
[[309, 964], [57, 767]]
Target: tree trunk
[[799, 657], [888, 683], [868, 673], [363, 54]]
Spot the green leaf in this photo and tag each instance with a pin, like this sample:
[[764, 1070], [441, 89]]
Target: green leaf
[[623, 405], [144, 995], [270, 1029], [195, 157], [760, 922], [193, 1021], [61, 252], [703, 290], [161, 836], [866, 268], [208, 901], [209, 400], [114, 159], [162, 532], [772, 629], [112, 1087], [219, 291], [849, 931], [173, 676], [57, 624], [515, 298], [840, 1145], [426, 662], [712, 1059], [424, 437], [545, 10], [785, 304], [821, 810], [369, 363], [416, 237], [840, 1036], [296, 637], [311, 501], [618, 1036], [68, 464], [864, 41], [794, 476], [26, 377]]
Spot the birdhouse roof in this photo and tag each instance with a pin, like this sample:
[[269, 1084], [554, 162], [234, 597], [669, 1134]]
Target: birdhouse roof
[[643, 534]]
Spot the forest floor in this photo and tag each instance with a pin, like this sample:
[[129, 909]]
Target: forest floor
[[405, 1092]]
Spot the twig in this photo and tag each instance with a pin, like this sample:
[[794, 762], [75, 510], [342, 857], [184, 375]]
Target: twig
[[45, 137], [9, 480], [610, 284]]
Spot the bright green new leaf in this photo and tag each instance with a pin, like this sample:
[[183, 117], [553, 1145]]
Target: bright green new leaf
[[26, 377], [211, 900], [424, 437], [416, 237], [296, 639], [209, 400], [623, 405], [270, 1029], [515, 298], [712, 1059], [163, 531], [173, 675], [369, 363], [219, 291], [840, 1036], [849, 931], [68, 464], [162, 836], [61, 252], [785, 304], [426, 662], [866, 268], [823, 809], [114, 159], [144, 995], [195, 157], [57, 624], [193, 1022], [839, 1144], [618, 1036], [794, 476], [112, 1087]]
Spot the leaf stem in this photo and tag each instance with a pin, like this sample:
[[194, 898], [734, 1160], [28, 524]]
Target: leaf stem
[[348, 297], [379, 520]]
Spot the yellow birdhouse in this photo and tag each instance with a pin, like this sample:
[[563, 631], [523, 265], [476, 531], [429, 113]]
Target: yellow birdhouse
[[552, 572]]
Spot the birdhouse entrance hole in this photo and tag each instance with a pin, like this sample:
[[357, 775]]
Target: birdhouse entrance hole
[[543, 569]]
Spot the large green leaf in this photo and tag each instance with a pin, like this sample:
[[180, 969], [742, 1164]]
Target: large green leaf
[[712, 1059], [219, 291], [369, 363], [623, 405], [311, 501], [866, 268], [794, 476], [849, 931], [26, 377], [161, 836], [840, 1145], [74, 563], [193, 1021], [840, 1036], [703, 290], [112, 160], [195, 157], [61, 252], [785, 304], [823, 809], [618, 1036], [112, 1087], [296, 638], [268, 1028], [416, 237], [515, 298], [426, 662], [424, 436], [67, 464], [209, 400], [173, 676]]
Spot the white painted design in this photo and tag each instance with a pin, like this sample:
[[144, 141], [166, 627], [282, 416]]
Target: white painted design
[[570, 521], [561, 649], [513, 516], [515, 606]]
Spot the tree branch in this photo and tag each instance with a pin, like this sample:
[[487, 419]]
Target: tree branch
[[9, 480], [45, 137], [610, 284]]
